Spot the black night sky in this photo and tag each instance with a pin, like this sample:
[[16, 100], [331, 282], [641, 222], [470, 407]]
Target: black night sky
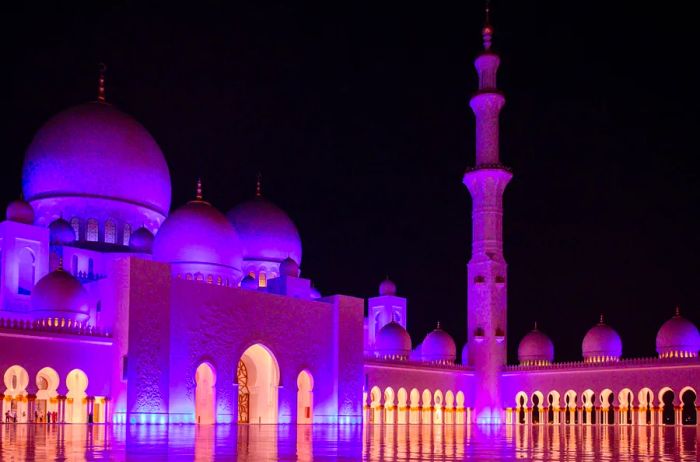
[[357, 116]]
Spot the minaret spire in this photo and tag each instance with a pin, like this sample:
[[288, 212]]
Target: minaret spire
[[487, 30], [487, 268], [199, 196], [101, 84]]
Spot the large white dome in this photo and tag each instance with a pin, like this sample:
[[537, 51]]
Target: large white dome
[[198, 234], [59, 295], [678, 338], [101, 156], [602, 343], [265, 231], [439, 347], [393, 342], [536, 348]]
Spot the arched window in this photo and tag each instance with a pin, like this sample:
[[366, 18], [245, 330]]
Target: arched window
[[210, 279], [92, 231], [198, 277], [75, 223], [262, 278], [127, 234], [27, 271], [219, 280], [110, 232]]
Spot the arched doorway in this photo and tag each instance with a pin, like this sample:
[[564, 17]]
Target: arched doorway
[[689, 415], [76, 403], [305, 398], [402, 397], [258, 380], [521, 405], [205, 394], [668, 414], [47, 381], [389, 408], [14, 409], [26, 271]]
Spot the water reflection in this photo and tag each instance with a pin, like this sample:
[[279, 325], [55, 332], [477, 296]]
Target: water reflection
[[350, 442]]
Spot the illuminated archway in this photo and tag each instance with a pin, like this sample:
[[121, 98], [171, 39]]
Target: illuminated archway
[[258, 382], [26, 271], [689, 415], [305, 398], [668, 413], [414, 415], [438, 407], [588, 398], [521, 406], [626, 400], [645, 398], [76, 402], [16, 380], [389, 405], [570, 414], [460, 414], [537, 407], [375, 398], [47, 382], [449, 407], [607, 398], [402, 397], [554, 403], [426, 407], [205, 394]]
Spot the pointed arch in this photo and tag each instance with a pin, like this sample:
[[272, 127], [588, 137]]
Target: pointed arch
[[205, 394], [305, 397]]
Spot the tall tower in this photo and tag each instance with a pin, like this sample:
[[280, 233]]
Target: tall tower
[[486, 271]]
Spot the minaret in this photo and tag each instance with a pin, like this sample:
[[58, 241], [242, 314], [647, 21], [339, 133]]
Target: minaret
[[486, 271]]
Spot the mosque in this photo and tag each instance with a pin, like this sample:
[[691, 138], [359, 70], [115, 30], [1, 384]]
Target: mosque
[[116, 309]]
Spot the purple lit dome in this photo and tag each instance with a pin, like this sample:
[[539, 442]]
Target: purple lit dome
[[387, 287], [141, 240], [393, 342], [289, 267], [314, 294], [536, 348], [94, 151], [266, 232], [59, 295], [439, 347], [678, 338], [61, 232], [197, 233], [602, 343], [20, 211]]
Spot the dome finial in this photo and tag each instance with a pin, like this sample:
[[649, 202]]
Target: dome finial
[[535, 327], [60, 263], [199, 195], [438, 325], [487, 30], [101, 84], [258, 185], [678, 311], [602, 319]]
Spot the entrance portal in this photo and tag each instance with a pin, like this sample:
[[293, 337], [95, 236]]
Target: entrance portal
[[258, 379], [305, 398]]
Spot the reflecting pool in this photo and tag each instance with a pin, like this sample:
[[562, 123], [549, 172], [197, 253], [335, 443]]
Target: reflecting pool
[[19, 442]]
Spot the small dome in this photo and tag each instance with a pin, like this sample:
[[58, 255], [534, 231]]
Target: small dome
[[95, 151], [314, 294], [465, 353], [59, 295], [601, 343], [289, 268], [197, 233], [387, 287], [266, 232], [439, 347], [249, 283], [61, 232], [141, 240], [678, 338], [20, 211], [535, 348], [393, 342]]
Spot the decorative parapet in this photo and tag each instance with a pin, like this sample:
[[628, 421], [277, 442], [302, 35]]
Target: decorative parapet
[[415, 363], [41, 326], [622, 363]]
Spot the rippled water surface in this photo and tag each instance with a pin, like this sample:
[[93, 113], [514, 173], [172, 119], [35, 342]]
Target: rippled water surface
[[19, 442]]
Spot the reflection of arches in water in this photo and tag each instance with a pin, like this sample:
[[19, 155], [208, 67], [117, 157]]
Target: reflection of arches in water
[[668, 414], [689, 415], [47, 381], [258, 382], [205, 394], [76, 402], [305, 398]]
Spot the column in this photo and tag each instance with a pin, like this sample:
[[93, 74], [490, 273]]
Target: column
[[679, 414], [61, 408], [90, 403], [31, 407]]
